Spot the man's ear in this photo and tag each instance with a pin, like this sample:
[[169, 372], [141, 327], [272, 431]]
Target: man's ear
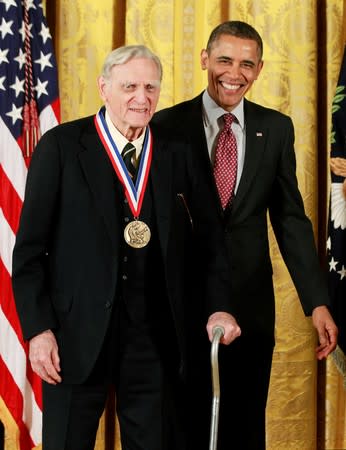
[[101, 84], [259, 68], [204, 59]]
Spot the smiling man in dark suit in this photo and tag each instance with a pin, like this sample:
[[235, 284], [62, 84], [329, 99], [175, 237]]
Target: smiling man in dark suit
[[102, 265], [265, 182]]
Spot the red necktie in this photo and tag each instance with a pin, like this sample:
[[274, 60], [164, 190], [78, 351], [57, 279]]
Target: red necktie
[[225, 166]]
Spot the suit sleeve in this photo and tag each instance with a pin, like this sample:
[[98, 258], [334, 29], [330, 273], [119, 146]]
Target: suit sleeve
[[293, 229], [38, 215]]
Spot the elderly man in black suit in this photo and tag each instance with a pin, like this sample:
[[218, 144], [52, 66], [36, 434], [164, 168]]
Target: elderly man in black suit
[[258, 178], [102, 265]]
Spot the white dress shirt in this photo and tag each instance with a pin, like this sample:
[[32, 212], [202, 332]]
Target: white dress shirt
[[120, 140]]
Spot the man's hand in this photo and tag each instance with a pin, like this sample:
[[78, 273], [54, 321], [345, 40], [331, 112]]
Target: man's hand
[[44, 357], [229, 324], [326, 329]]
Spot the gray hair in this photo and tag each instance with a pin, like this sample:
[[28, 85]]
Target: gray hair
[[124, 54], [238, 29]]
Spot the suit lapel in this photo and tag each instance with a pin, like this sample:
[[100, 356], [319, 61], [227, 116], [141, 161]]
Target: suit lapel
[[197, 134], [255, 146], [200, 145], [101, 180]]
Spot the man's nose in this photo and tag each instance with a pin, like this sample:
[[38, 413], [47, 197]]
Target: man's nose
[[234, 70], [141, 95]]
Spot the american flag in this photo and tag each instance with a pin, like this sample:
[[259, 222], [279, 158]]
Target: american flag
[[336, 243], [29, 106]]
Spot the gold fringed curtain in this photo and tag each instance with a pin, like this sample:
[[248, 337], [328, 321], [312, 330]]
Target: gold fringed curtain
[[303, 43]]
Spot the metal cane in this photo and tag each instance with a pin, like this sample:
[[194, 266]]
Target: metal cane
[[218, 332]]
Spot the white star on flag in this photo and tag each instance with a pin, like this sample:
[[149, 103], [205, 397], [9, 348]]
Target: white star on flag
[[30, 4], [5, 27], [40, 88], [44, 61], [8, 3], [20, 58], [45, 33], [332, 264], [18, 86], [342, 272], [15, 114], [3, 56]]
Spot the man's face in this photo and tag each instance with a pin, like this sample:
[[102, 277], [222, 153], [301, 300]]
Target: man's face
[[131, 95], [233, 64]]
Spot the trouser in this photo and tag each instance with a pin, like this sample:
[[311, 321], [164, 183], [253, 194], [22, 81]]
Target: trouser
[[148, 403], [244, 369]]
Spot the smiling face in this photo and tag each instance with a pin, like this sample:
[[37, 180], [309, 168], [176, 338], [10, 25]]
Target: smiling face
[[233, 64], [131, 94]]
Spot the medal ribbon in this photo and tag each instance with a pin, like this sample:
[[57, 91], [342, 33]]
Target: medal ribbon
[[133, 193]]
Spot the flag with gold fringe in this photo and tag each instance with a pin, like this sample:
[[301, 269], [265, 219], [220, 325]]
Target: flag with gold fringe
[[29, 105], [336, 243]]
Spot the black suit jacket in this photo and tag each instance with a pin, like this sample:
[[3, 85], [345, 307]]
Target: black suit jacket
[[67, 251], [268, 186]]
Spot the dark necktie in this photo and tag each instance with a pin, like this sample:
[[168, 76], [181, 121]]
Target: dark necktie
[[225, 166], [128, 154]]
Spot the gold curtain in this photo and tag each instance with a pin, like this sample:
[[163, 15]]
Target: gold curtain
[[303, 43]]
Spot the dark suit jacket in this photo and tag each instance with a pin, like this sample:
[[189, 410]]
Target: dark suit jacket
[[66, 256], [268, 185]]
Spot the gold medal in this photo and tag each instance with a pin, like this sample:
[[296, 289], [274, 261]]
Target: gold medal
[[137, 234]]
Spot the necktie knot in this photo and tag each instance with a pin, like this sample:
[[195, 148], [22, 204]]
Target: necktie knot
[[129, 156], [228, 119]]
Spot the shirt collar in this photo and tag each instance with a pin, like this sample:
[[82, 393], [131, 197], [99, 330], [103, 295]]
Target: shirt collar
[[212, 111], [120, 140]]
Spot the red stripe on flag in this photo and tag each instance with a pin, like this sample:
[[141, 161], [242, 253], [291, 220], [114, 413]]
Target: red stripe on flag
[[10, 201], [9, 309], [36, 384], [7, 303], [56, 108], [13, 399]]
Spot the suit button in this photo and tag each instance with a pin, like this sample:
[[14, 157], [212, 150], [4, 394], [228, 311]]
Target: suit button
[[126, 219], [108, 305], [124, 277]]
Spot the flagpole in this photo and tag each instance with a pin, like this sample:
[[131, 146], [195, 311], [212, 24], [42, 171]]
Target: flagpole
[[344, 24], [2, 436]]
